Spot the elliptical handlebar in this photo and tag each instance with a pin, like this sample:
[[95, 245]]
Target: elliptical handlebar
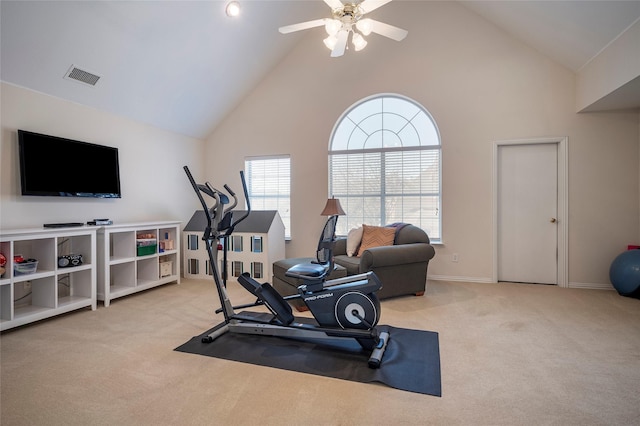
[[207, 190], [246, 197], [216, 213], [235, 199]]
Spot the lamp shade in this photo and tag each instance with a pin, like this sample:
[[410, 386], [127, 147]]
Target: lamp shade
[[332, 26], [358, 42], [332, 208], [330, 42], [364, 26]]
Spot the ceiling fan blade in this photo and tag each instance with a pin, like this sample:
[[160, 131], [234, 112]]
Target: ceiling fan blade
[[302, 26], [341, 44], [334, 4], [368, 5], [387, 30]]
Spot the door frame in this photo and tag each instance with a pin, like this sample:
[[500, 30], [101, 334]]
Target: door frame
[[563, 202]]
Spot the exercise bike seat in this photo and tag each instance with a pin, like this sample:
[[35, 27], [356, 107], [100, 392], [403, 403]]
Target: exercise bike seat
[[308, 271], [313, 274]]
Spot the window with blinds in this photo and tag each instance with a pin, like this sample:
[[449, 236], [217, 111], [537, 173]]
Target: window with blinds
[[384, 165], [269, 186]]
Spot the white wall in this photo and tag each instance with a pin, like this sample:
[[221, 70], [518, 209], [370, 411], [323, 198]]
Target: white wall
[[480, 85], [154, 186]]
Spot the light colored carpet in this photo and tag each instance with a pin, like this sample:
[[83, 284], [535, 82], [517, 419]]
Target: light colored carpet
[[511, 354]]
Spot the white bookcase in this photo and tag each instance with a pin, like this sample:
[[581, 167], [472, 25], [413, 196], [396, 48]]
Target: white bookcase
[[50, 290], [137, 256]]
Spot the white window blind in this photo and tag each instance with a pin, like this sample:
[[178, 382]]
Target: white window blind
[[269, 186], [384, 165]]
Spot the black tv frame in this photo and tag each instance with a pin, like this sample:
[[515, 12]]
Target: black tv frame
[[59, 167]]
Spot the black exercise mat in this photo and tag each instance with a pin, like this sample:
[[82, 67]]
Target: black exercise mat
[[411, 361]]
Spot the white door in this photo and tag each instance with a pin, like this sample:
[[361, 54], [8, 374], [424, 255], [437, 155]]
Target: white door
[[527, 213]]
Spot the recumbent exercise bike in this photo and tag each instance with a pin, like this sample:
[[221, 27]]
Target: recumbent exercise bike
[[344, 308]]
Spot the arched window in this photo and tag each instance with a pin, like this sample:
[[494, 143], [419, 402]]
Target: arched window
[[384, 165]]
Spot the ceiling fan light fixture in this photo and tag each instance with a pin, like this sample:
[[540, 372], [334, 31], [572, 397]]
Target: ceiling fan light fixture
[[347, 19], [233, 9], [364, 26], [358, 41], [332, 26], [330, 42]]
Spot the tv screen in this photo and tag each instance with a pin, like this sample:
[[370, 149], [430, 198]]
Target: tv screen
[[53, 166]]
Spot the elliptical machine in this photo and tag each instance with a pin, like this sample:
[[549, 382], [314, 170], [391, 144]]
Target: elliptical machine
[[344, 308]]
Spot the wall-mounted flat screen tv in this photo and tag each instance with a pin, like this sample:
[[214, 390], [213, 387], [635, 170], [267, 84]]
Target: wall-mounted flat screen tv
[[54, 166]]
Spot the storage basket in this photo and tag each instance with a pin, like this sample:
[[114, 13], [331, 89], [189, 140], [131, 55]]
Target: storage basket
[[25, 268], [147, 250], [146, 246]]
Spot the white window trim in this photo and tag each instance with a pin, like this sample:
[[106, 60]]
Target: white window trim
[[436, 240]]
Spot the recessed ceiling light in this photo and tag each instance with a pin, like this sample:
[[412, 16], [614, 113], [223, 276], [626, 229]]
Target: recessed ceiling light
[[233, 9]]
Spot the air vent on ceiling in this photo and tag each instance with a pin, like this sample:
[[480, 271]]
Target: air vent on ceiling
[[82, 76]]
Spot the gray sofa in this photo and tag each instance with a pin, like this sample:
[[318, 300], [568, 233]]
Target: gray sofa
[[402, 267]]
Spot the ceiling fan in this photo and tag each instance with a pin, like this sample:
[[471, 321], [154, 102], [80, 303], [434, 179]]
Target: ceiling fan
[[347, 18]]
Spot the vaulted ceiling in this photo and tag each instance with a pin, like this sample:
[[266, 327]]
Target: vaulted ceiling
[[183, 65]]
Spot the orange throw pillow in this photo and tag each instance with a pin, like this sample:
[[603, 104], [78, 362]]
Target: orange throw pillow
[[376, 236]]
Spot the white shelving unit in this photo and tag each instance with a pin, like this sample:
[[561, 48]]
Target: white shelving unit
[[129, 261], [50, 290]]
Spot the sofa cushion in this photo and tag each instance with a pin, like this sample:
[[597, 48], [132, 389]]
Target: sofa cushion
[[354, 237], [376, 236], [351, 264]]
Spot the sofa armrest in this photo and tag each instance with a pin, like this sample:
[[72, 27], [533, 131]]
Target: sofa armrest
[[340, 248], [377, 257]]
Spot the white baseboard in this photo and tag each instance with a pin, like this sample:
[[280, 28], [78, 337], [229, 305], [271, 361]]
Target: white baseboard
[[592, 286], [459, 279]]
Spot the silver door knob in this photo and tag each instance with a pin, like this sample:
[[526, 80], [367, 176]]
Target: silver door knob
[[553, 220]]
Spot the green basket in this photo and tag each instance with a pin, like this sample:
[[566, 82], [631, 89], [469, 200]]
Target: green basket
[[147, 250]]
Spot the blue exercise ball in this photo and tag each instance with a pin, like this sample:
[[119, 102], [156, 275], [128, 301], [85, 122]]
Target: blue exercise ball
[[624, 272]]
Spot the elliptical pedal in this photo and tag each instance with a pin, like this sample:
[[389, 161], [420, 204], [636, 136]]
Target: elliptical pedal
[[376, 356]]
